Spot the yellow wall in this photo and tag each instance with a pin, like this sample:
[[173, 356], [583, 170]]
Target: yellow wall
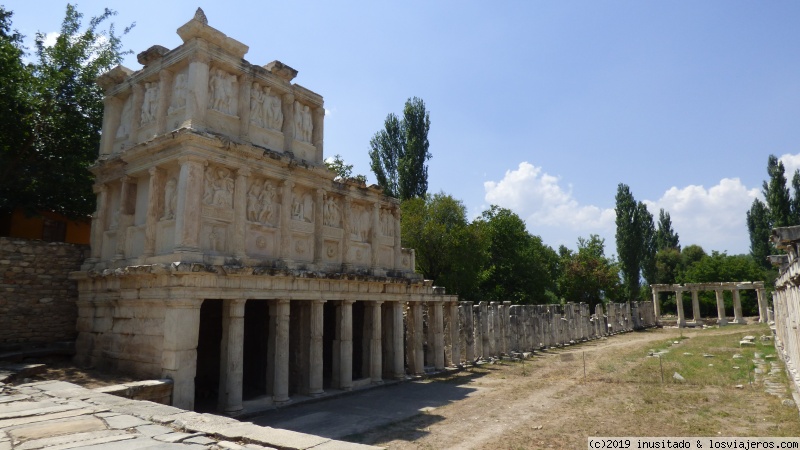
[[22, 226]]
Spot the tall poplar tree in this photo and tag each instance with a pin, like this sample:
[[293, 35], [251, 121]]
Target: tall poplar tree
[[629, 242], [666, 237], [399, 153], [777, 194]]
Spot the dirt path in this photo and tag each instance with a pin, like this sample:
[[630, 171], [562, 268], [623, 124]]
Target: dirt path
[[547, 403]]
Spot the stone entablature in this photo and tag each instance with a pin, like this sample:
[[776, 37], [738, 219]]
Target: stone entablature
[[719, 288]]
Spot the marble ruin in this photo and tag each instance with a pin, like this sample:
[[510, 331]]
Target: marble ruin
[[226, 257], [224, 254], [719, 289], [786, 299]]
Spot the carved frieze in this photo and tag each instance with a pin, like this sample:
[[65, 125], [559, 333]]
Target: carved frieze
[[222, 92], [218, 187], [149, 103], [265, 108], [331, 212], [303, 124], [262, 205], [179, 91]]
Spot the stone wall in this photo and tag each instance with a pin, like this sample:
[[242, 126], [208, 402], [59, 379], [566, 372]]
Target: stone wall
[[37, 298]]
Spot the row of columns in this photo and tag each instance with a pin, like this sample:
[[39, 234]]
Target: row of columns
[[721, 316], [182, 322]]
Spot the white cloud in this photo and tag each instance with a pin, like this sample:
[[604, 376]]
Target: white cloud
[[713, 218], [539, 199], [790, 163], [50, 38]]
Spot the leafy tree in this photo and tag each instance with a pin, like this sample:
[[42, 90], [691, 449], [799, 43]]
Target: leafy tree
[[758, 224], [649, 244], [399, 152], [449, 249], [48, 168], [666, 237], [720, 267], [691, 255], [588, 276], [668, 265], [777, 194], [343, 170], [519, 267], [629, 240], [795, 205]]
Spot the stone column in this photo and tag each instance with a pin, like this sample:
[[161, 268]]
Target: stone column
[[125, 216], [315, 351], [477, 331], [698, 321], [506, 318], [375, 357], [286, 220], [99, 221], [415, 308], [484, 323], [189, 205], [455, 334], [165, 92], [762, 305], [179, 353], [737, 307], [113, 110], [437, 319], [344, 347], [240, 212], [722, 320], [155, 200], [679, 303], [232, 357], [197, 87], [288, 122], [317, 135], [398, 367], [280, 392], [656, 305], [319, 201], [469, 335]]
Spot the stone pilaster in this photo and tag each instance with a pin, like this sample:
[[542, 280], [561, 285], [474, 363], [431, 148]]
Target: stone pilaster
[[398, 246], [343, 346], [317, 134], [197, 87], [155, 200], [125, 214], [375, 244], [232, 357], [111, 119], [319, 201], [347, 226], [240, 212], [245, 85], [189, 205], [135, 119], [455, 334], [762, 305], [165, 93], [656, 305], [415, 350], [469, 334], [288, 122], [286, 220], [437, 319]]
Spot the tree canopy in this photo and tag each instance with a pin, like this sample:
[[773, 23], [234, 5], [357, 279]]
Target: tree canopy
[[399, 153], [587, 275], [53, 119]]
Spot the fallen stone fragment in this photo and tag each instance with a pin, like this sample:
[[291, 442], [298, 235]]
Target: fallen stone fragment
[[678, 377]]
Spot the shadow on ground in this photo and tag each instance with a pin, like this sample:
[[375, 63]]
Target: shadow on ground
[[360, 412]]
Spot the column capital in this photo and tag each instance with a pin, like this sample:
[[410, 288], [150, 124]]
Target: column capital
[[237, 307], [282, 301], [189, 159], [348, 302], [100, 188], [376, 302], [243, 172], [154, 170]]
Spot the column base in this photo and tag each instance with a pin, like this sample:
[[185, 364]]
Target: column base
[[233, 413], [722, 322], [740, 321], [278, 402], [376, 382], [316, 394]]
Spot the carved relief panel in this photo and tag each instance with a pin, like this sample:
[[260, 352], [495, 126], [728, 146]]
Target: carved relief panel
[[359, 223], [265, 108], [303, 125], [223, 91], [331, 211], [124, 128], [302, 206], [149, 104], [262, 202]]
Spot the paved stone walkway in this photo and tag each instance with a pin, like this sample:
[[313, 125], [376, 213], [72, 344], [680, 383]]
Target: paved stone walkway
[[57, 415]]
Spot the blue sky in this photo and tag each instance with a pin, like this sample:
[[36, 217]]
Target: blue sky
[[541, 107]]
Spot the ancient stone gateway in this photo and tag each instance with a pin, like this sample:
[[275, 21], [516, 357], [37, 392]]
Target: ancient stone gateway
[[224, 254], [719, 289]]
